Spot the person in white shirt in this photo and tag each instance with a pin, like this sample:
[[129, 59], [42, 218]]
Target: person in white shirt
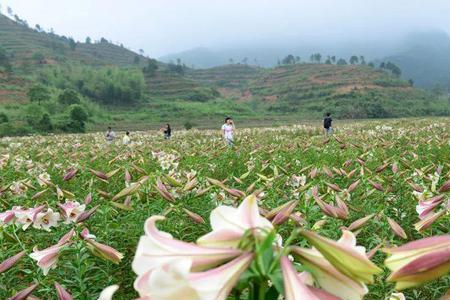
[[110, 135], [126, 138], [228, 130]]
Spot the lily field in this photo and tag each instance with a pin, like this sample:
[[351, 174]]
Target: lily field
[[287, 213]]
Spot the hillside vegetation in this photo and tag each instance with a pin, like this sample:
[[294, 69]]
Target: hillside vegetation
[[51, 83]]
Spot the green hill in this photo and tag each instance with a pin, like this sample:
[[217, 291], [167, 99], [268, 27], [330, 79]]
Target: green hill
[[113, 85]]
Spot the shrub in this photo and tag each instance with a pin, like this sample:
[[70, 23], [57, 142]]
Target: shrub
[[69, 97], [3, 118], [77, 113], [188, 125]]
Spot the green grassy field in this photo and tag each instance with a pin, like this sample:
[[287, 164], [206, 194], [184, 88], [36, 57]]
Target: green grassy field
[[283, 163]]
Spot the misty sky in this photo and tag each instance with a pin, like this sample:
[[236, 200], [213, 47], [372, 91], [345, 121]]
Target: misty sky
[[167, 26]]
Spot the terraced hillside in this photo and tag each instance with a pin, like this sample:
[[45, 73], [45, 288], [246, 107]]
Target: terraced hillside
[[28, 45], [119, 86], [351, 91], [228, 76]]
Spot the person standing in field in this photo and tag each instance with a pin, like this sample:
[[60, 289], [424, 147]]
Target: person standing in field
[[110, 135], [126, 138], [327, 124], [167, 132], [228, 130]]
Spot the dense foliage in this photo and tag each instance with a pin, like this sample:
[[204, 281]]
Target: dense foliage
[[377, 170]]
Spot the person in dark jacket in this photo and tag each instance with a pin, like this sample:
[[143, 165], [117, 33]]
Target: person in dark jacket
[[167, 132], [327, 124]]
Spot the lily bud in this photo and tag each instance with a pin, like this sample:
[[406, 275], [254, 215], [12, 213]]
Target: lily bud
[[397, 229], [428, 221], [62, 293], [419, 261], [445, 187], [195, 217], [104, 251], [162, 190], [8, 263], [280, 214], [70, 174], [22, 295]]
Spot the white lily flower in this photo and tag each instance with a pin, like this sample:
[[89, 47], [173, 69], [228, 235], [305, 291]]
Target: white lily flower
[[46, 220], [174, 281], [229, 224], [156, 248]]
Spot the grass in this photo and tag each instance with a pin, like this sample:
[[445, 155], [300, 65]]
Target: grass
[[418, 146]]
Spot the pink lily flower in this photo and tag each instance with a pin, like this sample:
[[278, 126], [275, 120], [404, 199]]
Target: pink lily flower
[[7, 217], [425, 207], [46, 220], [47, 258], [296, 289], [229, 224], [174, 281], [71, 211], [26, 217], [428, 220], [156, 248], [419, 261]]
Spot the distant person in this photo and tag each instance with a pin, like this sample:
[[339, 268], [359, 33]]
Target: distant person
[[126, 138], [228, 130], [327, 124], [110, 135], [167, 132]]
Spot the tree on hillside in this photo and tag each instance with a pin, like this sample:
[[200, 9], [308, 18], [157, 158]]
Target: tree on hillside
[[151, 67], [45, 123], [39, 57], [288, 60], [333, 59], [354, 60], [141, 51], [38, 27], [178, 61], [88, 40], [38, 93], [318, 57], [3, 118], [231, 61], [297, 59], [341, 62], [371, 64], [69, 97], [10, 11], [311, 58], [78, 117], [4, 59], [411, 82], [179, 69], [382, 65], [393, 68], [72, 44], [136, 60], [362, 60], [328, 61]]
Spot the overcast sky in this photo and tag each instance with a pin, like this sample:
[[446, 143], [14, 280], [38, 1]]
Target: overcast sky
[[167, 26]]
